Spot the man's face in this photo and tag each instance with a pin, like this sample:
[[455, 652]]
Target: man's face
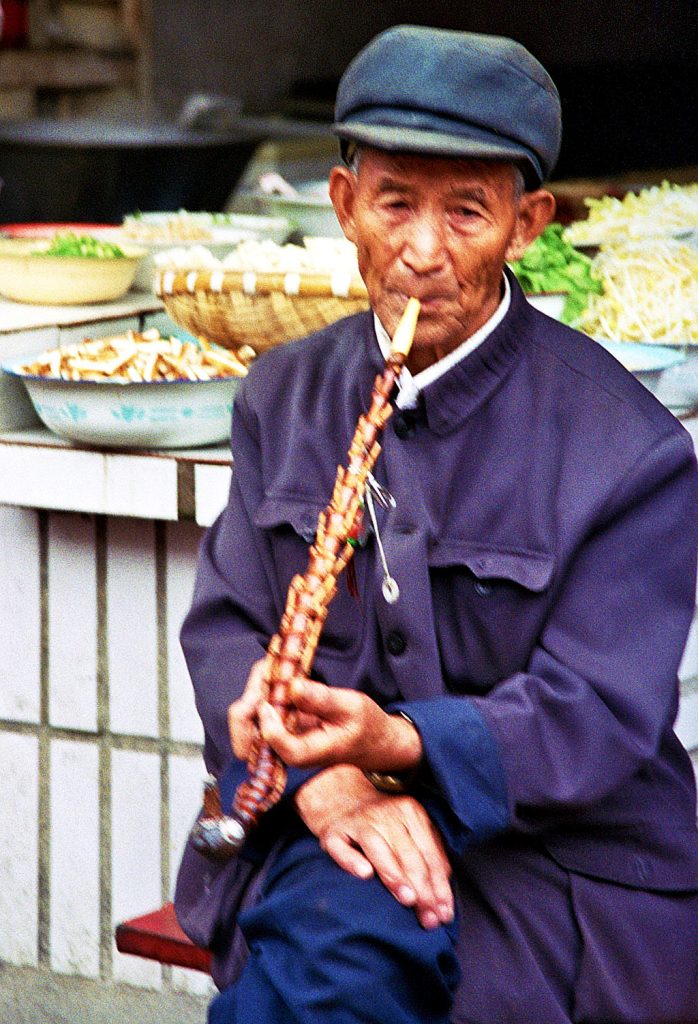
[[438, 229]]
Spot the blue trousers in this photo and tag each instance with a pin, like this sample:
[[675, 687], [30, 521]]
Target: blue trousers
[[534, 944], [329, 947]]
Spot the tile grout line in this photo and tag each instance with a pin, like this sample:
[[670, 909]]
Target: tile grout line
[[105, 750], [119, 741], [160, 540], [44, 753]]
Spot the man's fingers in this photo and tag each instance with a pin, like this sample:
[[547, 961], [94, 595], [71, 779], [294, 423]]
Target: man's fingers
[[389, 868], [241, 729], [242, 713], [366, 832], [317, 699], [421, 864], [376, 856], [303, 722], [302, 749], [410, 861], [344, 853], [426, 864]]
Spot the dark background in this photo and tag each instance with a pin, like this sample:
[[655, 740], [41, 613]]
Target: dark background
[[627, 71]]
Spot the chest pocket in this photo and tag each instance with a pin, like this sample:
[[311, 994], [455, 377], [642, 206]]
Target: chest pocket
[[300, 513], [490, 604], [290, 522]]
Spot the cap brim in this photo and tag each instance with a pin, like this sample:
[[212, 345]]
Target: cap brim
[[411, 140]]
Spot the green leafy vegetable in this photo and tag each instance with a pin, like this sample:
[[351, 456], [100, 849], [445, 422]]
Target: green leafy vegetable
[[70, 244], [551, 264]]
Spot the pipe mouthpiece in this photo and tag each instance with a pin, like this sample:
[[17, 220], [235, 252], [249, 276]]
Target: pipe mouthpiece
[[404, 332]]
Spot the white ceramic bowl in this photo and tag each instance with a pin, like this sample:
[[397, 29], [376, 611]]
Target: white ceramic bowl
[[162, 414], [225, 232], [551, 303], [147, 268], [28, 274], [170, 228], [310, 212], [664, 371]]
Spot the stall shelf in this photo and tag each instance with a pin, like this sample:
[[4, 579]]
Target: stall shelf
[[40, 470]]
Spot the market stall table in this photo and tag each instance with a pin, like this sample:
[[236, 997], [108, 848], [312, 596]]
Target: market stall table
[[40, 470]]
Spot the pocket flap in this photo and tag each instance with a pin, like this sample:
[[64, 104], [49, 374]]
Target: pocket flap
[[530, 569], [301, 513]]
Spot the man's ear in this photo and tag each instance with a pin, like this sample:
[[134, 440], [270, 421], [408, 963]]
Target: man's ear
[[536, 210], [342, 184]]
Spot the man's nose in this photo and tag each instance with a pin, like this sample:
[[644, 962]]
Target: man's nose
[[424, 245]]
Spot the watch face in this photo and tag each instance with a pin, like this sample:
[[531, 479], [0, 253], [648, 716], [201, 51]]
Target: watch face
[[386, 783]]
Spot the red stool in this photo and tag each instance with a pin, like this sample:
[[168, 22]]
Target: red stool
[[158, 936]]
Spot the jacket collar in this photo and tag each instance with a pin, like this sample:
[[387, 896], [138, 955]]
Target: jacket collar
[[455, 395]]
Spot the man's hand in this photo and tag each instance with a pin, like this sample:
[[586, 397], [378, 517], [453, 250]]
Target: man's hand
[[368, 832], [332, 725], [242, 715]]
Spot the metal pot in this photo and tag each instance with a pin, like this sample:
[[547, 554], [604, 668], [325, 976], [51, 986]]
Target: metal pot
[[98, 171]]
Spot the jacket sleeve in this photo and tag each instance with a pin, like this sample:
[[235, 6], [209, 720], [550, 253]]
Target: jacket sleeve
[[235, 607], [232, 612], [600, 690]]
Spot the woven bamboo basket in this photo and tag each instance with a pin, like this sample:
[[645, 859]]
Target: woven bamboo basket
[[234, 308]]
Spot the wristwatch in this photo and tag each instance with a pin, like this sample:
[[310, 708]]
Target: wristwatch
[[390, 782]]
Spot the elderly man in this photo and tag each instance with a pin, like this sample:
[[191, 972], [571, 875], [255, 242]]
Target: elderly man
[[488, 816]]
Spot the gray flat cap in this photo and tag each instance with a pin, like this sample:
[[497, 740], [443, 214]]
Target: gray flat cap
[[454, 94]]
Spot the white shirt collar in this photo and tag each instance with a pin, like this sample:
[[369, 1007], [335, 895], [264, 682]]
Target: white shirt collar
[[410, 385]]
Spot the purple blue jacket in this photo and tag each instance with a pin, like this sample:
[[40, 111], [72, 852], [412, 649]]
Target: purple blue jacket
[[544, 542]]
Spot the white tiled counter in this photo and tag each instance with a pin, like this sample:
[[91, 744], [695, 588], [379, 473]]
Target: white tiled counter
[[39, 470], [100, 743]]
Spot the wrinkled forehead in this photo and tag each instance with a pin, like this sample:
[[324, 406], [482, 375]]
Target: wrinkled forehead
[[406, 167]]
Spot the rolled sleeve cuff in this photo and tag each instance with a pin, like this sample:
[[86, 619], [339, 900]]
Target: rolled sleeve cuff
[[461, 783]]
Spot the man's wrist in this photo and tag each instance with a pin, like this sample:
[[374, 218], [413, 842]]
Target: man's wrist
[[409, 744]]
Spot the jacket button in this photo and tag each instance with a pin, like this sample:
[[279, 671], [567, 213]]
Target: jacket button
[[395, 642], [402, 427]]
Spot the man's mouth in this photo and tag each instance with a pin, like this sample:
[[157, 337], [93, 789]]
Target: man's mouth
[[428, 300]]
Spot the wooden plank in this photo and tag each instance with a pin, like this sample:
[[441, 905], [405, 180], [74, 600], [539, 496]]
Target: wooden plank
[[158, 936], [63, 69], [19, 856]]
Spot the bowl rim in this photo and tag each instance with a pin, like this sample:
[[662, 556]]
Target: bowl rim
[[553, 293], [21, 248], [46, 229], [665, 356], [220, 238], [13, 367], [208, 217]]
